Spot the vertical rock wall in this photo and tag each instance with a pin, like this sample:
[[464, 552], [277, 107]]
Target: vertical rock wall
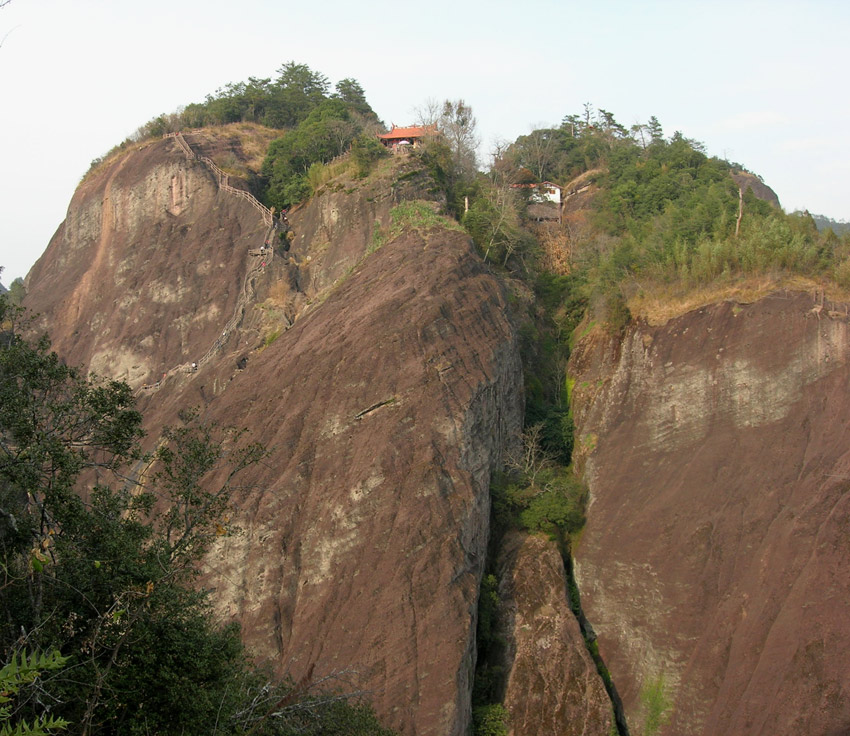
[[552, 686], [387, 407], [386, 399], [716, 554]]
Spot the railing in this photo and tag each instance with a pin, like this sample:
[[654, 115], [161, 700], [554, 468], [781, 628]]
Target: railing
[[223, 178], [247, 292]]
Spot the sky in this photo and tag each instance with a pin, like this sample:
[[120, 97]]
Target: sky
[[759, 83]]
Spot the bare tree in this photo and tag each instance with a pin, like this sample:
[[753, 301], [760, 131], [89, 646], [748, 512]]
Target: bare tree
[[458, 124], [531, 458], [3, 4], [428, 113]]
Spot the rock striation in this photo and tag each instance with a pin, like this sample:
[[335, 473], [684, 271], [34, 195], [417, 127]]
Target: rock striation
[[715, 558], [386, 381], [552, 686]]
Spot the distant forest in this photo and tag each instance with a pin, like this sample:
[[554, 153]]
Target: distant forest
[[839, 227]]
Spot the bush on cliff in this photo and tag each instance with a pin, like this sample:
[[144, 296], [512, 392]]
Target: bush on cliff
[[654, 214], [325, 133]]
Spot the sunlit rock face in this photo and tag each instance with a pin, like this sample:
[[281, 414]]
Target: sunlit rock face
[[385, 381], [716, 554], [552, 686]]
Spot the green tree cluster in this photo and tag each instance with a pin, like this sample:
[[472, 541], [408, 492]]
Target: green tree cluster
[[326, 132], [99, 546], [366, 151], [490, 720], [665, 213], [282, 102]]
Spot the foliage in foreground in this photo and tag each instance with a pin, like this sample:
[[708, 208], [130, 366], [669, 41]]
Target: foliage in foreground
[[23, 669], [99, 546]]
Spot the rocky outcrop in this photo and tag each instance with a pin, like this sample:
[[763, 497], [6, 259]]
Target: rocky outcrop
[[750, 182], [552, 687], [716, 551], [385, 381], [148, 266], [387, 406]]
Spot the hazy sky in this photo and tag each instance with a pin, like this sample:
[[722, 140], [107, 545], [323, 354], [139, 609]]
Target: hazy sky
[[760, 83]]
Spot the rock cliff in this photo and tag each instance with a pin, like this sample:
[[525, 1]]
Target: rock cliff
[[715, 558], [380, 367], [552, 686], [386, 381]]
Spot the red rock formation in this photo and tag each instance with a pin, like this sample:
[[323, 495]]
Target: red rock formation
[[552, 688], [146, 268], [386, 399], [716, 550], [747, 181]]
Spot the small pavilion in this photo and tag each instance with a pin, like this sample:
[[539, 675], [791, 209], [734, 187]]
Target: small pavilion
[[400, 138]]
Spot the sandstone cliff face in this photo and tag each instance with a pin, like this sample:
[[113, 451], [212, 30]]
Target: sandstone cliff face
[[147, 267], [751, 182], [716, 549], [553, 688], [387, 398]]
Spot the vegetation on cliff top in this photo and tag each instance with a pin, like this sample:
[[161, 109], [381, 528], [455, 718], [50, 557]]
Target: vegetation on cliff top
[[320, 123], [643, 214]]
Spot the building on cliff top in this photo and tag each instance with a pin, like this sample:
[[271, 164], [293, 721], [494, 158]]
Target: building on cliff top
[[545, 191], [544, 200], [398, 139]]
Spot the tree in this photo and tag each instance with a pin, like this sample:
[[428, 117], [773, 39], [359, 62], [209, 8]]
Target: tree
[[458, 124], [606, 122], [99, 547], [531, 458], [428, 113], [656, 133], [300, 78], [536, 152], [493, 222], [366, 150], [99, 565], [326, 132], [295, 93], [351, 93]]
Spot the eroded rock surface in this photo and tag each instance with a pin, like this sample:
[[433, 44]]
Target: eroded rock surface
[[386, 383], [148, 266], [716, 552], [552, 688], [388, 405]]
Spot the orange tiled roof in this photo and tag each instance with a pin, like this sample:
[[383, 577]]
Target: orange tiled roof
[[411, 131]]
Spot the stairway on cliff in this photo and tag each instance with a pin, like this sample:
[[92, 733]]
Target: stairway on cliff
[[276, 225]]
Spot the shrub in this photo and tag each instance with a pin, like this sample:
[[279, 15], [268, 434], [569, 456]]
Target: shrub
[[106, 573], [558, 508], [21, 671], [490, 720], [366, 150], [656, 705]]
